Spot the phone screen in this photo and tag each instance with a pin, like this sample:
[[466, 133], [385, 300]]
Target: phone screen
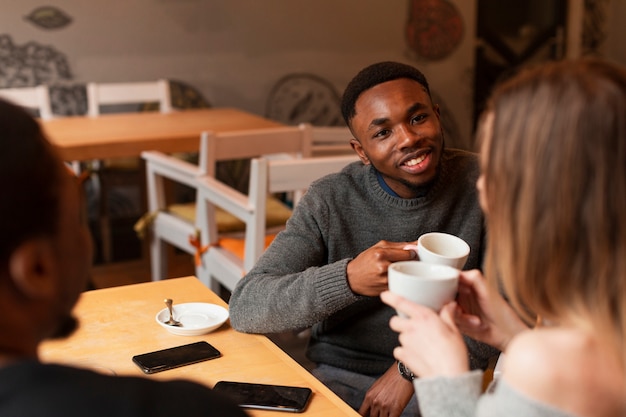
[[267, 397], [162, 360]]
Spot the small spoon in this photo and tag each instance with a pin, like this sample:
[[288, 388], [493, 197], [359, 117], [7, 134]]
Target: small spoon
[[171, 321]]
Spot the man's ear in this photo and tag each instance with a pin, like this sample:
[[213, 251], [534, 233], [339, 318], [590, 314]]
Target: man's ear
[[32, 268], [356, 145]]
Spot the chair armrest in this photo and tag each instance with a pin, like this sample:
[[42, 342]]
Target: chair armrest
[[223, 196], [158, 163]]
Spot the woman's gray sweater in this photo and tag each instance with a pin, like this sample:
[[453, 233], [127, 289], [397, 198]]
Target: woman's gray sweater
[[461, 397]]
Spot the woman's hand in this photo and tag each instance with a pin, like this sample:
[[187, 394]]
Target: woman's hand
[[483, 314], [431, 344]]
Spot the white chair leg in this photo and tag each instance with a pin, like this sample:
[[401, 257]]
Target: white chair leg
[[204, 275], [158, 259], [215, 286]]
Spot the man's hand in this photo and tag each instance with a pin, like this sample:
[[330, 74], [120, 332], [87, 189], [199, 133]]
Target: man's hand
[[367, 273], [388, 396]]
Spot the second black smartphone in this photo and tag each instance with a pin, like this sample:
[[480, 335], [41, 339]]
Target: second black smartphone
[[165, 359], [264, 396]]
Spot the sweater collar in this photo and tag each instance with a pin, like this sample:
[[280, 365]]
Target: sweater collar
[[381, 181]]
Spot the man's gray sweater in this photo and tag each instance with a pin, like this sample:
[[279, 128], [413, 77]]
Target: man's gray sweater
[[300, 281]]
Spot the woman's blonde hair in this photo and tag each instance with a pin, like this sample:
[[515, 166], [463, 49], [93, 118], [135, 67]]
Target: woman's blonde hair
[[554, 161]]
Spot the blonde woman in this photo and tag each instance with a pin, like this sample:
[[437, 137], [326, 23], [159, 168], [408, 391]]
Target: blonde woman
[[553, 187]]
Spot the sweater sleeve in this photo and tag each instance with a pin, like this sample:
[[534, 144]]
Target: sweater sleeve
[[450, 397], [461, 397], [293, 286]]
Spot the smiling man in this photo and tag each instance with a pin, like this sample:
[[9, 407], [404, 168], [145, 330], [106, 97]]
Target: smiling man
[[327, 268]]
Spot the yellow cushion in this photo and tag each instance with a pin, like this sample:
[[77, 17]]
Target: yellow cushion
[[124, 164], [276, 214]]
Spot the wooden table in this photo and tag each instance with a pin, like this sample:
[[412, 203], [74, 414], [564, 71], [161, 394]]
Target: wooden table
[[119, 322], [82, 138]]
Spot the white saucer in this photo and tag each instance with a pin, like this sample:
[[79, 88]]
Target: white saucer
[[197, 318]]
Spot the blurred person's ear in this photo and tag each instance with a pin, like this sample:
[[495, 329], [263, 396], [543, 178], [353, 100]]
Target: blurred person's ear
[[32, 267]]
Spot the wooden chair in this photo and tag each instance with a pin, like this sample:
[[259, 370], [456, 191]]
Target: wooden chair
[[36, 99], [121, 172], [222, 261], [166, 225], [108, 94], [331, 140]]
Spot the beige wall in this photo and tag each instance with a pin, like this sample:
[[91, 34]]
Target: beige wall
[[235, 51]]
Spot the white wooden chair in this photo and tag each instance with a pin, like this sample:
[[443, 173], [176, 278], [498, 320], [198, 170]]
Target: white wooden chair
[[222, 261], [37, 100], [164, 224], [34, 98], [103, 94], [331, 140], [121, 172]]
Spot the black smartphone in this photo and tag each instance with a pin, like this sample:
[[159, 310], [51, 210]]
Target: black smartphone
[[174, 357], [265, 397]]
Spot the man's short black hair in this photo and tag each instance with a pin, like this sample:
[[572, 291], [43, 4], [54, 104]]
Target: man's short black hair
[[373, 75]]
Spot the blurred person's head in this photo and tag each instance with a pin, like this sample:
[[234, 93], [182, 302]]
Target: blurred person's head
[[45, 249], [554, 191]]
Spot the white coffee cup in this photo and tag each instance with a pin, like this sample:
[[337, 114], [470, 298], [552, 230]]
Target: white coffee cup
[[424, 283], [441, 248]]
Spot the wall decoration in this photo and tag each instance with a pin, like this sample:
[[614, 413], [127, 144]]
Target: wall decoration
[[304, 98], [182, 96], [185, 96], [49, 17], [434, 29], [68, 100], [30, 64]]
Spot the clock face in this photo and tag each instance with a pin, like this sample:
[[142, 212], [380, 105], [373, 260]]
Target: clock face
[[434, 29], [304, 98]]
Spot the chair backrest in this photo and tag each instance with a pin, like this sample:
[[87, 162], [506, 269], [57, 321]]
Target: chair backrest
[[214, 148], [35, 98], [251, 143], [102, 94], [331, 140], [288, 175], [267, 176]]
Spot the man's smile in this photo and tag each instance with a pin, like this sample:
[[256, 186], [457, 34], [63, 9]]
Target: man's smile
[[417, 163]]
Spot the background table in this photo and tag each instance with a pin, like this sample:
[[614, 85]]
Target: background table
[[122, 135], [82, 138], [119, 322]]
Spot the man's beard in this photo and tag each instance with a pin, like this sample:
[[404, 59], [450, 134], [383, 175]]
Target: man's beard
[[66, 327]]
